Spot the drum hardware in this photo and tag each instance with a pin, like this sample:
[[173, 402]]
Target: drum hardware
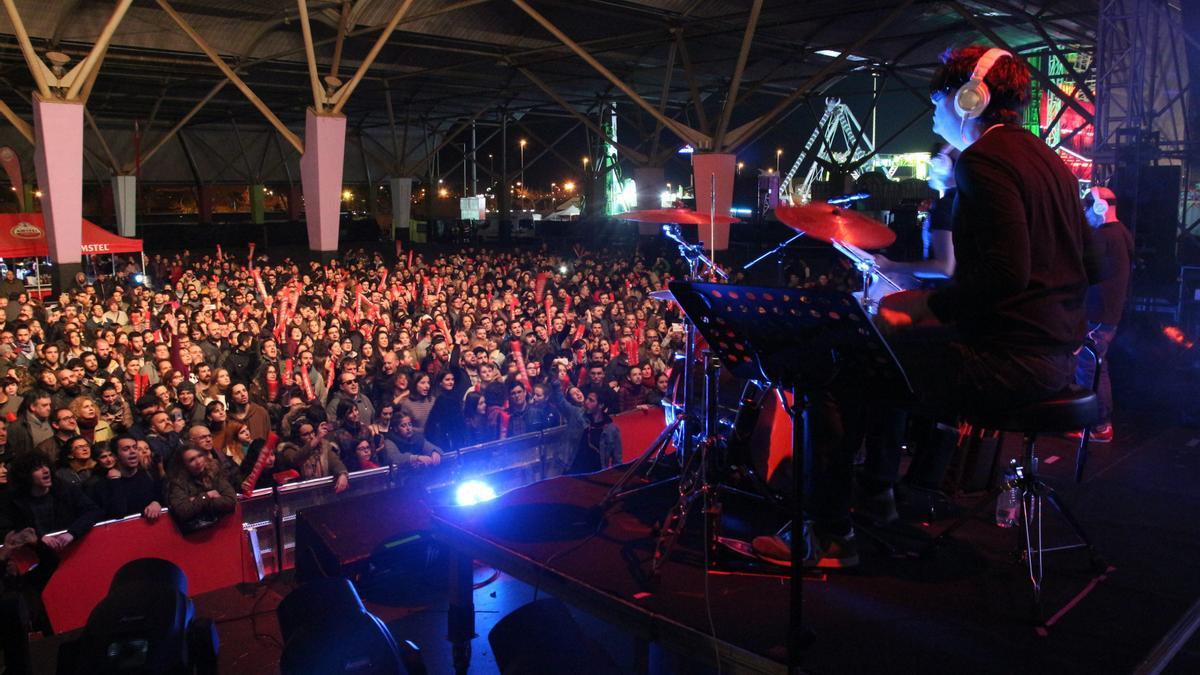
[[695, 435], [800, 340]]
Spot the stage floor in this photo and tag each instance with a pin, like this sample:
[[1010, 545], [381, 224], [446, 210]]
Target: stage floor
[[962, 611]]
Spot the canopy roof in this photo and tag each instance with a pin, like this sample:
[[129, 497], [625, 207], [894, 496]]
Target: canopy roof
[[23, 235]]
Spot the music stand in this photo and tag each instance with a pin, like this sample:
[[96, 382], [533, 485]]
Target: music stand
[[800, 340]]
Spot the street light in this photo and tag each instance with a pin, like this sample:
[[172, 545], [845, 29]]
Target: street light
[[778, 154], [523, 142]]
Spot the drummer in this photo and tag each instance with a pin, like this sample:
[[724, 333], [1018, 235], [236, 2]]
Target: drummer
[[1015, 300], [938, 265]]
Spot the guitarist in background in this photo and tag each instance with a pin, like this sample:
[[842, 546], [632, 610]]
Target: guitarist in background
[[939, 264]]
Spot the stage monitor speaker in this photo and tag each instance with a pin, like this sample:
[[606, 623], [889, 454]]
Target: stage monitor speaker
[[541, 638], [1148, 204], [327, 630], [334, 540]]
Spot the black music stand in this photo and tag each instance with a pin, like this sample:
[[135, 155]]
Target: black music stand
[[800, 340]]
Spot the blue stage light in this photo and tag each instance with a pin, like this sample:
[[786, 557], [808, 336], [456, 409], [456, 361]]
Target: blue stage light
[[139, 278], [474, 492]]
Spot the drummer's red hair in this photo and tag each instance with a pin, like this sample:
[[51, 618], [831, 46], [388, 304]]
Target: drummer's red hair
[[1007, 80]]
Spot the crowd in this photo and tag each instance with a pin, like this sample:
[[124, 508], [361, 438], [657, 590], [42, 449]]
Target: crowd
[[219, 376]]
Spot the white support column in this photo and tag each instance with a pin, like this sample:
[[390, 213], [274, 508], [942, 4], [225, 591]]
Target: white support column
[[125, 200], [401, 189]]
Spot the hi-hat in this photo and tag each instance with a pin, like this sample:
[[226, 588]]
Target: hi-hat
[[675, 216], [834, 223]]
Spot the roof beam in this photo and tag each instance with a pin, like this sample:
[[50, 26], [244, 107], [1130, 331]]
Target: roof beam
[[1041, 77], [740, 134], [736, 82], [682, 130], [343, 94], [231, 76], [21, 125]]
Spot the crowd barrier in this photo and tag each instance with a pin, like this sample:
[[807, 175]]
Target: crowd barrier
[[242, 547]]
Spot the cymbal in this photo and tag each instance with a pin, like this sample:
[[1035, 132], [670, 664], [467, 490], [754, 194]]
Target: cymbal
[[664, 294], [828, 223], [676, 216]]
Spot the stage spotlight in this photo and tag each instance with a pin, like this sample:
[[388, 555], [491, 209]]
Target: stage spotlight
[[139, 278], [474, 492], [144, 625]]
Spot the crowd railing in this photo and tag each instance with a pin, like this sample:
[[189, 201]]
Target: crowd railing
[[242, 548]]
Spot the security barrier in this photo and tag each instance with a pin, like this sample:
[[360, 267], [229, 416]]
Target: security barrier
[[242, 546]]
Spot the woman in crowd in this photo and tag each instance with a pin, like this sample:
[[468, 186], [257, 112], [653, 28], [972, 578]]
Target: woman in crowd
[[91, 426], [419, 403], [76, 466], [237, 439], [445, 424], [197, 495]]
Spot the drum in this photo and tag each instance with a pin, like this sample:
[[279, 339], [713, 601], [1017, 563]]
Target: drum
[[760, 441]]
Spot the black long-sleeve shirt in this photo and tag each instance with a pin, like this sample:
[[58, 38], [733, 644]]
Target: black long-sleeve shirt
[[1020, 240], [1114, 249]]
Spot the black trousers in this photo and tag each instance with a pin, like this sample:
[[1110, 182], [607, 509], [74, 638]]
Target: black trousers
[[949, 376]]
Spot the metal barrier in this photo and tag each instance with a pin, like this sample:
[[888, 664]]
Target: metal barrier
[[269, 514]]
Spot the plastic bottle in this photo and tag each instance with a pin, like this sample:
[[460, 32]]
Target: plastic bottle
[[1008, 503]]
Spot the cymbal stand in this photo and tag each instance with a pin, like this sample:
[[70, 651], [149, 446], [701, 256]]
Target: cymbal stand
[[683, 426], [695, 480]]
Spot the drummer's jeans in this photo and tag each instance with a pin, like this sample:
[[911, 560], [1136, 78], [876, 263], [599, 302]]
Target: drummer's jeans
[[949, 378], [1103, 334]]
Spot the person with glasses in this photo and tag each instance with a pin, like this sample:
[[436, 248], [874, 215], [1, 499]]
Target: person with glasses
[[348, 389], [76, 466], [66, 427]]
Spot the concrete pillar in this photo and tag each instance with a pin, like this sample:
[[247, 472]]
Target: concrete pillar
[[295, 203], [258, 206], [711, 170], [124, 190], [401, 189], [204, 204], [321, 175], [651, 181], [58, 156]]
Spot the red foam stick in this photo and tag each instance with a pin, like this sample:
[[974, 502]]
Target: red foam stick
[[410, 255], [539, 286], [306, 382], [259, 466]]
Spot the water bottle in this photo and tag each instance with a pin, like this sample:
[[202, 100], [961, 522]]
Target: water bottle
[[1008, 504]]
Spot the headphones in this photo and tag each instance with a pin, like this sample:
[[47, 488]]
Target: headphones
[[973, 97], [1099, 204]]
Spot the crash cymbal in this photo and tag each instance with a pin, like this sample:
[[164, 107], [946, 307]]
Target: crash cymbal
[[664, 294], [829, 223], [675, 216]]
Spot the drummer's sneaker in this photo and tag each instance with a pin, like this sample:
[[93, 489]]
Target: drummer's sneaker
[[828, 552], [1102, 433]]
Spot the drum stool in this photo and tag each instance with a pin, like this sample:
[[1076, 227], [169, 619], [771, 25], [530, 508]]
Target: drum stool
[[1072, 409]]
